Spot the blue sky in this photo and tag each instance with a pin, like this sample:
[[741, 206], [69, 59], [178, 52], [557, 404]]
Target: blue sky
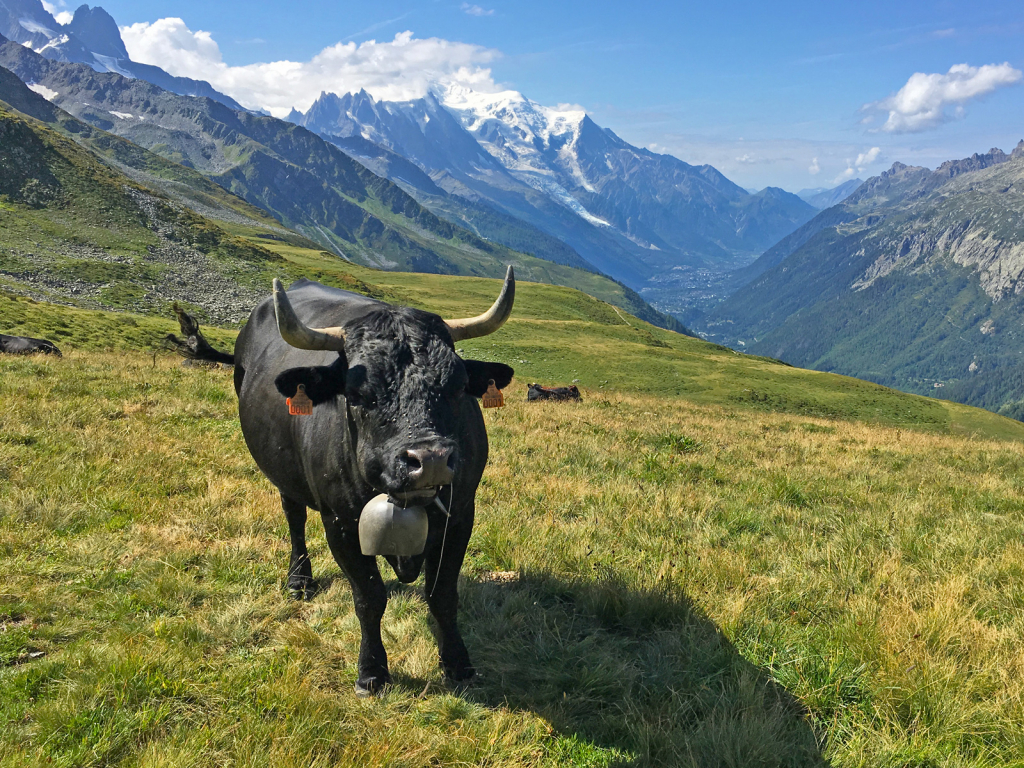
[[759, 90]]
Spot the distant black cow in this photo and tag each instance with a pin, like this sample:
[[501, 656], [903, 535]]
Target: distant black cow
[[23, 345], [537, 392], [395, 411]]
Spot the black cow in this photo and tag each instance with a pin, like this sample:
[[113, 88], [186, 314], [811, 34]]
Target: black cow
[[395, 412], [23, 345], [538, 392]]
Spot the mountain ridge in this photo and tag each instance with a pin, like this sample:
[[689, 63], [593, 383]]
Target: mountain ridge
[[91, 38], [916, 281], [822, 197], [329, 197], [533, 161]]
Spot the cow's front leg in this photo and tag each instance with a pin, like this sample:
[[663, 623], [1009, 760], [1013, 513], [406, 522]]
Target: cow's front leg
[[442, 582], [370, 598], [300, 572]]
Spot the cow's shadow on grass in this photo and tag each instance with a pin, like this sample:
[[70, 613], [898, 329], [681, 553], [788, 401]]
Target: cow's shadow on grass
[[628, 678]]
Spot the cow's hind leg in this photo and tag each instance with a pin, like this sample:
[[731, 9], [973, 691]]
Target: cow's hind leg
[[300, 572], [370, 598], [442, 582]]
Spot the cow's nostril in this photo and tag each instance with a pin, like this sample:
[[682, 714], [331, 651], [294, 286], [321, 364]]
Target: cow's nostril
[[429, 467]]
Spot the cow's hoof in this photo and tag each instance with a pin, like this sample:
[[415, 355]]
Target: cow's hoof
[[302, 590], [296, 590], [372, 686]]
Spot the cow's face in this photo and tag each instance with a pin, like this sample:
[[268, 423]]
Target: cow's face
[[403, 388]]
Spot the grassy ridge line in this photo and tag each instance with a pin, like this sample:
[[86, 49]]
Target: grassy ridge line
[[557, 335], [651, 582]]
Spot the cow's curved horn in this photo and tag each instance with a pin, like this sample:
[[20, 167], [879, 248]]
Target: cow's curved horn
[[297, 333], [492, 319]]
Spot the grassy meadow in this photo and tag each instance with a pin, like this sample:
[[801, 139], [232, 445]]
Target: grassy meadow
[[716, 559], [655, 579]]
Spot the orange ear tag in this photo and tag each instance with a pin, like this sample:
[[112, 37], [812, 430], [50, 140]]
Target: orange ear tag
[[300, 405], [493, 398]]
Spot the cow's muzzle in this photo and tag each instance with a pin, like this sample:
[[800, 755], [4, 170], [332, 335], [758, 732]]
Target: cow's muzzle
[[429, 467], [422, 471]]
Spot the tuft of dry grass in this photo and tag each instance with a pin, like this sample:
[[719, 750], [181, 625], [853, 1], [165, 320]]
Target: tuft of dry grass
[[652, 581]]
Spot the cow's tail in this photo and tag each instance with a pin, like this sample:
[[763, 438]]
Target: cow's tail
[[194, 346]]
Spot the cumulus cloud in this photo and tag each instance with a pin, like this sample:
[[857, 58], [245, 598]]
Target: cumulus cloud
[[746, 158], [814, 169], [928, 100], [476, 10], [54, 9], [859, 165], [867, 158], [399, 69]]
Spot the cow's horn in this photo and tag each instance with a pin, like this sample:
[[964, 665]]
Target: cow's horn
[[492, 319], [297, 333]]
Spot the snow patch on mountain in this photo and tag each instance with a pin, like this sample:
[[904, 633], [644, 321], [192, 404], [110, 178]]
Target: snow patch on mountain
[[47, 93], [521, 134], [55, 42], [110, 64], [537, 144], [33, 26]]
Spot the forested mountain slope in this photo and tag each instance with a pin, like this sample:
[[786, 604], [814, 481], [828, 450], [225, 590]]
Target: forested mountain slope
[[914, 281]]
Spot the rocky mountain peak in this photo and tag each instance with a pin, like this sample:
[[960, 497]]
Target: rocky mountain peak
[[897, 168], [97, 31], [1018, 151], [975, 162], [27, 22]]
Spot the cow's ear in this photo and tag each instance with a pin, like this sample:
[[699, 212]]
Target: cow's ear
[[322, 382], [480, 374]]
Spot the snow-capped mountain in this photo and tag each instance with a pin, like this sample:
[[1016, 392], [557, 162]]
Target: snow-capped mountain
[[92, 38], [632, 213]]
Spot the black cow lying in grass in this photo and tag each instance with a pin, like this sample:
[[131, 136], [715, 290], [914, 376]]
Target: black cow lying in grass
[[391, 409], [23, 345], [537, 392]]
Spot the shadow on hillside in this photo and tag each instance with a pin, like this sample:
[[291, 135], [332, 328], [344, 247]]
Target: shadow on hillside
[[643, 675]]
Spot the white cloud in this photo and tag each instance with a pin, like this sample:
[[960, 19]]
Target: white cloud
[[399, 69], [860, 165], [746, 159], [476, 10], [54, 9], [928, 100], [867, 158], [814, 169]]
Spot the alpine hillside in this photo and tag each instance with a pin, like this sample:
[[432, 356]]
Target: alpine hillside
[[914, 281]]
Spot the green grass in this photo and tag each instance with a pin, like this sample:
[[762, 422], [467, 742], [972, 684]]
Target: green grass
[[652, 581]]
